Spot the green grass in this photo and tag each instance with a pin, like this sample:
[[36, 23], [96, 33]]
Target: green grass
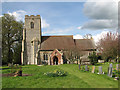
[[74, 79]]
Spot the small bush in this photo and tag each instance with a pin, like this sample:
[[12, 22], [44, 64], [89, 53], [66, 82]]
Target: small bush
[[15, 68], [116, 73], [93, 58], [56, 73], [83, 69]]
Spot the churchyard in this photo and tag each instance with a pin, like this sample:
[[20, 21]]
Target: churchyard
[[101, 75]]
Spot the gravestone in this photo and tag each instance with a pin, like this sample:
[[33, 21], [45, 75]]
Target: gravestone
[[93, 69], [110, 70], [79, 66], [86, 68], [100, 69]]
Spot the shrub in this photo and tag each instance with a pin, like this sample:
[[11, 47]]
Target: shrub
[[83, 69], [116, 73], [15, 68], [93, 58], [56, 73]]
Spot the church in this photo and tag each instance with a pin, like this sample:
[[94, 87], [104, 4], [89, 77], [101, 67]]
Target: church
[[50, 50]]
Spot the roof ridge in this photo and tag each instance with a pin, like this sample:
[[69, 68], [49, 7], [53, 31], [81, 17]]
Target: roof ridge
[[59, 36], [82, 39]]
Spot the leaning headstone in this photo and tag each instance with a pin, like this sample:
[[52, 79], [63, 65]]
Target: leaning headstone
[[79, 66], [86, 68], [93, 69], [110, 71], [100, 69]]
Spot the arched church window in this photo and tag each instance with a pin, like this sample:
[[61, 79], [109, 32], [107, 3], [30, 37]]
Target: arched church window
[[32, 25], [46, 57]]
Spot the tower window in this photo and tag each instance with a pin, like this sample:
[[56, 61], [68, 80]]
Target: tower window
[[32, 25]]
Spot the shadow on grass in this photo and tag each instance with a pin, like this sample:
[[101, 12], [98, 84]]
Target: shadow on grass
[[4, 68], [98, 64]]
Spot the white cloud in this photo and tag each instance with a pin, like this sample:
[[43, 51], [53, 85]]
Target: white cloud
[[79, 27], [78, 36], [102, 0], [59, 0], [100, 25], [103, 15], [19, 15], [44, 24], [1, 15], [101, 10], [97, 37]]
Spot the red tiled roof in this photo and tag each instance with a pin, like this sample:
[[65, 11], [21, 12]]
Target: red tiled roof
[[84, 43], [57, 42], [64, 42]]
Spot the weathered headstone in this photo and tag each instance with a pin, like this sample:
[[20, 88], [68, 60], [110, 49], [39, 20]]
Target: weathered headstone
[[86, 68], [93, 69], [110, 71], [79, 66], [100, 69]]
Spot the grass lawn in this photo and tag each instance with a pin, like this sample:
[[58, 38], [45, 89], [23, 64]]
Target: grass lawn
[[74, 79]]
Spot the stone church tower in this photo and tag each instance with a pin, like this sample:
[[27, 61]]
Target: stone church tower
[[31, 39]]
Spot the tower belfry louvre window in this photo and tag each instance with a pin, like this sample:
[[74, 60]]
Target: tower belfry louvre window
[[32, 25]]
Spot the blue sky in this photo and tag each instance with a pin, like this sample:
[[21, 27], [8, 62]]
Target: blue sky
[[68, 18]]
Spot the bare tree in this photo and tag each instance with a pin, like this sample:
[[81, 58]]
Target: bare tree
[[87, 36], [108, 45], [73, 54]]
